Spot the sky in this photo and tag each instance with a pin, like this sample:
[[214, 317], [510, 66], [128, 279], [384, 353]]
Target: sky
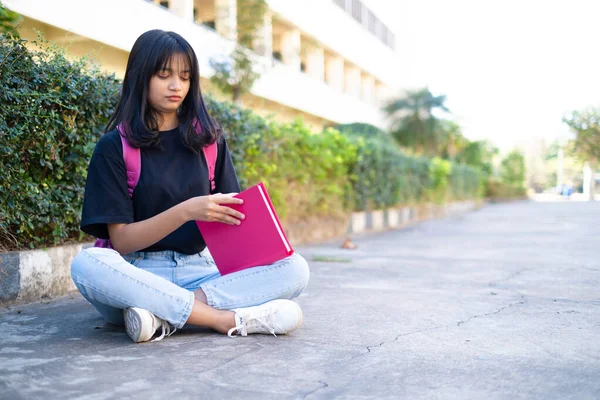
[[510, 69]]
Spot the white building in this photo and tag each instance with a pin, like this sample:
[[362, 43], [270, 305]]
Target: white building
[[327, 61]]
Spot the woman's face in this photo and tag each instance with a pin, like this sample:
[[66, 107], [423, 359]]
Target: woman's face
[[169, 86]]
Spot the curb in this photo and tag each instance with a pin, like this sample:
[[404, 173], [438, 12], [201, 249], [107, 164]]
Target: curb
[[394, 218], [34, 275]]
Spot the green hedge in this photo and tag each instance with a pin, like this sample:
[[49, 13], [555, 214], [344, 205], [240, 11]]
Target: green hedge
[[497, 189], [54, 110], [466, 182], [306, 174], [385, 176]]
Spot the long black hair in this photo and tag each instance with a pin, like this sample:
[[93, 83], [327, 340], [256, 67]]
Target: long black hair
[[152, 52]]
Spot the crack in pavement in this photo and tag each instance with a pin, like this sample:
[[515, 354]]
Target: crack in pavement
[[431, 328], [369, 348], [493, 284], [257, 347], [492, 313], [324, 385]]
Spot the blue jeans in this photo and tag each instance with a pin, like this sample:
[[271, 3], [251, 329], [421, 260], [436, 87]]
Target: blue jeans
[[164, 282]]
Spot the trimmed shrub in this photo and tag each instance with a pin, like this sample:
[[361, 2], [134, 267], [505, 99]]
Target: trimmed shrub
[[385, 176], [306, 174], [497, 189], [53, 111], [466, 182]]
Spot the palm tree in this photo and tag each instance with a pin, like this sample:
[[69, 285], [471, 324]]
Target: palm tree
[[451, 141], [586, 126], [413, 123]]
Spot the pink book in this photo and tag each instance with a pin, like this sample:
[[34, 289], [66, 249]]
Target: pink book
[[258, 240]]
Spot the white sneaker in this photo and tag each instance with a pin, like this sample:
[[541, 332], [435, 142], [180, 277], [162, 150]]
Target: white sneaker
[[273, 317], [141, 325]]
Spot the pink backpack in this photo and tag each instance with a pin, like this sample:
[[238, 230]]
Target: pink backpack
[[133, 164]]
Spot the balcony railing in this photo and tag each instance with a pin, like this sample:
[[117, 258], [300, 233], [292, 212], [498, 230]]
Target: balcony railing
[[366, 18]]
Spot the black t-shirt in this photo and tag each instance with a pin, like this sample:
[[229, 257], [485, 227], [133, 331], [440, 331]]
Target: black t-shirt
[[168, 177]]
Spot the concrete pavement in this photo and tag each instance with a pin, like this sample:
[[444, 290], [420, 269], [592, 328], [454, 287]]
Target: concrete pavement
[[502, 303]]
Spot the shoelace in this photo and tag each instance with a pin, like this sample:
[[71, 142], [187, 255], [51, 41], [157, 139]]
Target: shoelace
[[265, 319], [166, 331]]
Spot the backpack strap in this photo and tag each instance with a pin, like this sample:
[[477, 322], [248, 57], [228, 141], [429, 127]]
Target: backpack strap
[[210, 155], [133, 165], [133, 161]]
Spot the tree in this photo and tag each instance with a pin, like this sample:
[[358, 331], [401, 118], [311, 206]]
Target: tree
[[8, 21], [413, 122], [512, 169], [479, 154], [586, 126], [452, 142], [548, 176], [235, 74]]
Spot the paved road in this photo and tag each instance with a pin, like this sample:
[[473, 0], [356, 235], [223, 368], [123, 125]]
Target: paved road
[[502, 303]]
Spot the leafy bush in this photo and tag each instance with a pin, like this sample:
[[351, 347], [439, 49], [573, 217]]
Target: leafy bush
[[497, 189], [367, 131], [513, 169], [246, 134], [466, 182], [311, 174], [306, 174], [53, 111], [439, 172], [384, 175]]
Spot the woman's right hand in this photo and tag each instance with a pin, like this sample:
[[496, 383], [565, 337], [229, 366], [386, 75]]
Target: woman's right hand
[[210, 208]]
